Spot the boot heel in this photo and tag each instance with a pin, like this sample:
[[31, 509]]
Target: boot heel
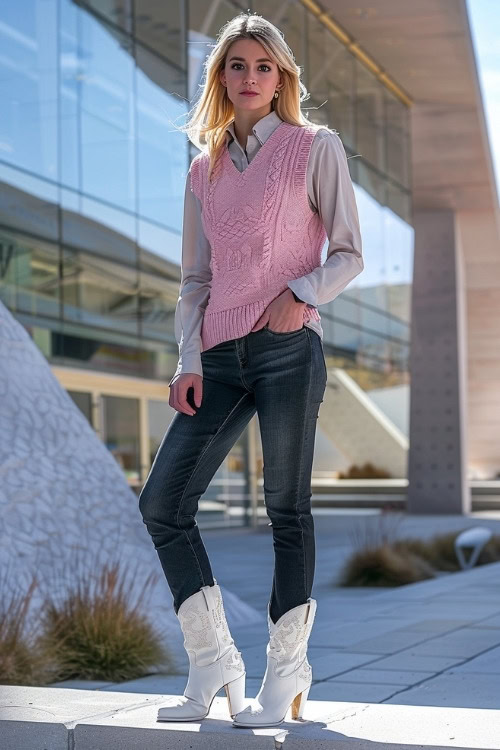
[[235, 692], [299, 704]]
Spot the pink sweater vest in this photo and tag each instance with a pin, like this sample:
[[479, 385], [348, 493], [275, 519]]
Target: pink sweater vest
[[261, 229]]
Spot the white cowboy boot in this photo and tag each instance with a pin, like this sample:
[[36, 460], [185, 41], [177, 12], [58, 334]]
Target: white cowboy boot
[[288, 674], [214, 660]]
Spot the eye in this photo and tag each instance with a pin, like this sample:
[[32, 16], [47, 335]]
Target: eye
[[260, 66]]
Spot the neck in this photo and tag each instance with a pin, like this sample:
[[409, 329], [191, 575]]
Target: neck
[[244, 121]]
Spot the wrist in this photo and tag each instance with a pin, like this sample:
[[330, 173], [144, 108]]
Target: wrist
[[297, 299]]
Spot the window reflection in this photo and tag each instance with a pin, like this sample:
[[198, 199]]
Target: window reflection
[[98, 292], [84, 403], [160, 26], [96, 91], [160, 414], [158, 299], [162, 149], [397, 132], [103, 294], [370, 121], [117, 11], [330, 79], [28, 69], [290, 17], [120, 431], [29, 280]]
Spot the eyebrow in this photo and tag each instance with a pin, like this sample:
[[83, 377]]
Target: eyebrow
[[261, 59]]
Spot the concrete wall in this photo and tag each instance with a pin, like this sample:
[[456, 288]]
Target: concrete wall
[[479, 234], [437, 471]]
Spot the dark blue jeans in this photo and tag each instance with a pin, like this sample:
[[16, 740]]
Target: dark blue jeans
[[282, 377]]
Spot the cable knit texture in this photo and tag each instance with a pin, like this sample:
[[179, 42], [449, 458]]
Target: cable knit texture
[[261, 229]]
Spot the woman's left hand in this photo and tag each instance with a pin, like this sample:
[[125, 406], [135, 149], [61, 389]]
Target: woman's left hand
[[283, 314]]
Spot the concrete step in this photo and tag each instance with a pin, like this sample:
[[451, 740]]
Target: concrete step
[[40, 718]]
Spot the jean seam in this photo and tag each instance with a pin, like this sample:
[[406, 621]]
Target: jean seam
[[207, 446], [302, 465]]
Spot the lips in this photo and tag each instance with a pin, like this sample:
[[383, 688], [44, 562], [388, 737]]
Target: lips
[[248, 93]]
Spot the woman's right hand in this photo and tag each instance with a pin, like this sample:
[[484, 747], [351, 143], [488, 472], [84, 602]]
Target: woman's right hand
[[183, 400]]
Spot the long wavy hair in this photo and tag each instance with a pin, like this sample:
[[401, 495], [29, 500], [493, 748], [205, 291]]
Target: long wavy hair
[[213, 111]]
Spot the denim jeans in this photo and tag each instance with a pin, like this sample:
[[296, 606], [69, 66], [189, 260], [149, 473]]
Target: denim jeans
[[282, 377]]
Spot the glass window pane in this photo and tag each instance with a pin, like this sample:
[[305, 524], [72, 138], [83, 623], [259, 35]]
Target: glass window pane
[[28, 86], [346, 309], [121, 432], [84, 403], [109, 351], [99, 293], [162, 149], [370, 132], [203, 27], [374, 296], [29, 275], [158, 300], [91, 225], [157, 240], [345, 336], [373, 320], [97, 89], [373, 182], [330, 80], [160, 27], [160, 414], [399, 201], [118, 12], [373, 346], [28, 203], [290, 18], [397, 134]]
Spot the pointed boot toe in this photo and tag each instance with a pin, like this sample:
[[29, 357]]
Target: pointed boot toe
[[214, 661], [288, 675]]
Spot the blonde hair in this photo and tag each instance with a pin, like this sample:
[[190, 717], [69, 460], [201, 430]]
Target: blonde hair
[[214, 110]]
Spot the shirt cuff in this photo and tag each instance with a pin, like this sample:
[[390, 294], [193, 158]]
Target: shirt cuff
[[189, 362], [303, 289]]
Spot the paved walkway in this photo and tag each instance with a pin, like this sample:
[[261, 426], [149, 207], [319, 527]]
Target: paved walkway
[[392, 668]]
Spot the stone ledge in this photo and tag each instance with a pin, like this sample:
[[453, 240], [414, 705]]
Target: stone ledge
[[34, 718]]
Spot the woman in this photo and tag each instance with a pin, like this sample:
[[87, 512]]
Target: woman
[[266, 191]]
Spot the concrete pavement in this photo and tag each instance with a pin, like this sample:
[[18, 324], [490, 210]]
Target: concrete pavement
[[413, 666]]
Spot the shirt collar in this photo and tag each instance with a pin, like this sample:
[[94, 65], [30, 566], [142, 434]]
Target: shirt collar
[[262, 129]]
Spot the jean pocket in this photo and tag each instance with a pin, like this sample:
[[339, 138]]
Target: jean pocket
[[284, 333]]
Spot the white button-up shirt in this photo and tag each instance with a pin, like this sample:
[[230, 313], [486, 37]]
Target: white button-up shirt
[[331, 195]]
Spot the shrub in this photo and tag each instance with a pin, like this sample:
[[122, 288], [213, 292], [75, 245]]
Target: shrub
[[384, 566], [366, 471], [95, 631], [382, 560], [491, 551], [21, 663]]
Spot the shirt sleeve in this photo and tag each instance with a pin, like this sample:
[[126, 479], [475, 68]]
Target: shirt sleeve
[[194, 291], [331, 192]]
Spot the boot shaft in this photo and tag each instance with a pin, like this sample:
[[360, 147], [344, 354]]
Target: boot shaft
[[204, 626], [289, 636]]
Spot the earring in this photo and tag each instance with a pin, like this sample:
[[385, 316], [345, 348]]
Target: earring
[[276, 94]]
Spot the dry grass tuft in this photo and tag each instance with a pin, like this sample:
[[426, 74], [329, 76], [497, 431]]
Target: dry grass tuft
[[94, 630], [384, 566], [366, 471], [21, 663], [381, 559]]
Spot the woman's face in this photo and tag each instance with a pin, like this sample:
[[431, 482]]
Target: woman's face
[[252, 71]]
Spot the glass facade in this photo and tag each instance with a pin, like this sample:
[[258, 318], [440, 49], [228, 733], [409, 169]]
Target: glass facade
[[92, 173]]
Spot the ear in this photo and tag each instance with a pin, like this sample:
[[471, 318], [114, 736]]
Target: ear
[[222, 77]]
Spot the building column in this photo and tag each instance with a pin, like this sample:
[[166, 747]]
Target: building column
[[437, 463]]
